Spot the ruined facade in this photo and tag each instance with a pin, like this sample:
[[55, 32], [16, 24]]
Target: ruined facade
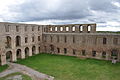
[[81, 40]]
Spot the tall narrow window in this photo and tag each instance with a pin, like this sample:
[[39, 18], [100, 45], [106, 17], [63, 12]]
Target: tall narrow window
[[38, 38], [93, 53], [17, 28], [7, 28], [65, 51], [58, 50], [26, 39], [65, 39], [115, 41], [104, 41], [74, 52]]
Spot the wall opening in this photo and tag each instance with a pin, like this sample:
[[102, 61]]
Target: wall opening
[[18, 41]]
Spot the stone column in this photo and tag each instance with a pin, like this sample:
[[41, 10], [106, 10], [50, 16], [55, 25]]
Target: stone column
[[37, 49], [93, 28], [77, 28], [22, 54], [64, 28], [85, 28], [14, 57], [30, 51]]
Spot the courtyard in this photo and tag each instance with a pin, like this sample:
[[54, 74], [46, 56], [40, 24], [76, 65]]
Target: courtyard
[[72, 68]]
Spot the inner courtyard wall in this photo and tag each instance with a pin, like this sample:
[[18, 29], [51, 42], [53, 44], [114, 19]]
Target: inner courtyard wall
[[81, 40]]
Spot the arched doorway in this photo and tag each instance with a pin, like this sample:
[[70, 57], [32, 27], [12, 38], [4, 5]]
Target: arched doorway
[[9, 56], [33, 50], [18, 54], [114, 54], [8, 42], [18, 41], [26, 52]]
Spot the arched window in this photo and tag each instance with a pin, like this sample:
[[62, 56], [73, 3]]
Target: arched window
[[73, 28], [81, 28], [67, 28], [18, 53], [26, 52], [89, 28], [56, 29], [18, 41], [8, 42], [61, 28], [26, 39], [9, 56]]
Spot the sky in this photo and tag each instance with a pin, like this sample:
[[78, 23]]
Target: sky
[[105, 13]]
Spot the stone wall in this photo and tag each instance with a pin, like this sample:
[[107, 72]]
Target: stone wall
[[81, 40]]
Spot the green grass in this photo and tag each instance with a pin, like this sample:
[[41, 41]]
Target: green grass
[[73, 68], [25, 77], [2, 68]]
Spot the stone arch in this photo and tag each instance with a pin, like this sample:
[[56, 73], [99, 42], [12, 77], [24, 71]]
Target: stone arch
[[33, 50], [26, 52], [9, 56], [18, 41], [18, 54], [8, 42]]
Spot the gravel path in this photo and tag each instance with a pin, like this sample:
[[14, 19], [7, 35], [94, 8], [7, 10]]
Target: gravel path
[[35, 75]]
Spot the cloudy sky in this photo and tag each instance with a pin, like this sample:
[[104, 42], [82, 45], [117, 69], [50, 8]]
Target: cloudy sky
[[106, 13]]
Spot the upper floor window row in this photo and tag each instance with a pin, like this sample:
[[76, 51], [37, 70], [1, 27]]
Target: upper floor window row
[[69, 28], [17, 28]]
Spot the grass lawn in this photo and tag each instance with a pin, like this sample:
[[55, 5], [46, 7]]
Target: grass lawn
[[72, 68], [2, 68], [24, 77]]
